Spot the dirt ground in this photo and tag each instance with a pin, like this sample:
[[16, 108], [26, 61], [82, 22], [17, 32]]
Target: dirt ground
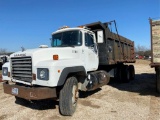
[[136, 100]]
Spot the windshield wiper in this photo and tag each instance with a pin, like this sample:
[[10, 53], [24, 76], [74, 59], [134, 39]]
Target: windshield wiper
[[65, 45]]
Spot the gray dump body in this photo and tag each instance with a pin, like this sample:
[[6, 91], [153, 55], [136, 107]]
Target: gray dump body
[[114, 48], [155, 49], [155, 42]]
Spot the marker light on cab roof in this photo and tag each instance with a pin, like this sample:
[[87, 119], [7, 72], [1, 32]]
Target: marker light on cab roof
[[63, 27]]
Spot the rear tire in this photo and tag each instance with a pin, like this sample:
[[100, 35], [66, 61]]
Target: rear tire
[[68, 97], [158, 79], [132, 72], [118, 75], [126, 73]]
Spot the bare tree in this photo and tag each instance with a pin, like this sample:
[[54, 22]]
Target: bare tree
[[3, 51], [142, 50]]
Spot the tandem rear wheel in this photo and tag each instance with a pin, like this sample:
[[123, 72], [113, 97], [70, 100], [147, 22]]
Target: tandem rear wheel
[[68, 97], [157, 79], [125, 73]]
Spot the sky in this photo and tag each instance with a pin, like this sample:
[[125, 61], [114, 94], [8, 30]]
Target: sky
[[29, 23]]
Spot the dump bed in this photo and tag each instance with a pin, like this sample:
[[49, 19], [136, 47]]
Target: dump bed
[[155, 42], [113, 48]]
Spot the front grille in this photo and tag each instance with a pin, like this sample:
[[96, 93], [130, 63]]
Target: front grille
[[22, 68]]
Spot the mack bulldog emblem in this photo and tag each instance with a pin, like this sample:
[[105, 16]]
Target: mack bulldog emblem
[[20, 55]]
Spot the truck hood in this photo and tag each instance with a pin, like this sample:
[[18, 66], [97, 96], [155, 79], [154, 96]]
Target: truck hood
[[41, 54]]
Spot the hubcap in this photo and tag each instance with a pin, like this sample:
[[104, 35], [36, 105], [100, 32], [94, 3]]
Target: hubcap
[[75, 95]]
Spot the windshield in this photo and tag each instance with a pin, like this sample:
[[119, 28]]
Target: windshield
[[68, 38]]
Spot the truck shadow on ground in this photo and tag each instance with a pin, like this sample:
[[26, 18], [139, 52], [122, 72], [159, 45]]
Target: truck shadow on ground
[[39, 105], [50, 104], [144, 84], [83, 94]]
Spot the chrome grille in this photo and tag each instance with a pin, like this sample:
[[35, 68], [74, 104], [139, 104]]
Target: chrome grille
[[22, 68]]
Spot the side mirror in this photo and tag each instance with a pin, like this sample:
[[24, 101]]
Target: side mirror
[[100, 37]]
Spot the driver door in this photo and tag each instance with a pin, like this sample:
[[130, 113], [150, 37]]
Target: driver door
[[91, 53]]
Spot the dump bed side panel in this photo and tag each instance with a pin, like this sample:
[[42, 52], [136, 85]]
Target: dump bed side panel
[[115, 48], [155, 42], [119, 51]]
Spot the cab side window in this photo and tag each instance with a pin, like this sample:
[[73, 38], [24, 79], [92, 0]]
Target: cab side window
[[88, 40]]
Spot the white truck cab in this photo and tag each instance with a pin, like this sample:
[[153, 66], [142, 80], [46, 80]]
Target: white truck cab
[[70, 48]]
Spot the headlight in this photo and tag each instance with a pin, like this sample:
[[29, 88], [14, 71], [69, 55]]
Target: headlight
[[43, 73], [5, 71]]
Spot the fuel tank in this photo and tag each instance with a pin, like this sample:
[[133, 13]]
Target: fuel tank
[[97, 79]]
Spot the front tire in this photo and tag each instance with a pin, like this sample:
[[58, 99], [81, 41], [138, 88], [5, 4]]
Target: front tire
[[68, 97]]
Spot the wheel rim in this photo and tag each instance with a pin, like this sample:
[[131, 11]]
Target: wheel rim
[[75, 95]]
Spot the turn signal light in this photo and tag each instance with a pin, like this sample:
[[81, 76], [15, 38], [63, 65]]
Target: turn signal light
[[55, 57]]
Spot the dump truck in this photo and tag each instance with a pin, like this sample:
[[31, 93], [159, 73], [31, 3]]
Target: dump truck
[[82, 58], [3, 59], [155, 49]]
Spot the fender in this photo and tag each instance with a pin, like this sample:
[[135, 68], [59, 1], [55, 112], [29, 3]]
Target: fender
[[68, 70]]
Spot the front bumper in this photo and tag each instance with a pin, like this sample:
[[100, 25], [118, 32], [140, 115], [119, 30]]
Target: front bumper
[[30, 93]]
